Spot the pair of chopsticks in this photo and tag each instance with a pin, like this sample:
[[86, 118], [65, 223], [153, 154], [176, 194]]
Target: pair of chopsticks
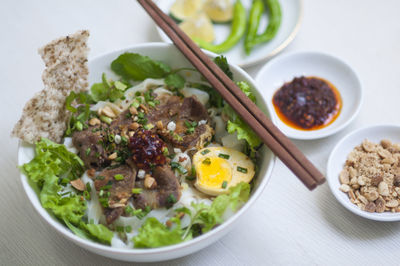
[[290, 155]]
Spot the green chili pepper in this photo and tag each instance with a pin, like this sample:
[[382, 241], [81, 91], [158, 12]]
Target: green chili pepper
[[256, 11], [238, 29], [275, 18]]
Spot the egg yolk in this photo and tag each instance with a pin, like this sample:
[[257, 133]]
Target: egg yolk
[[214, 173]]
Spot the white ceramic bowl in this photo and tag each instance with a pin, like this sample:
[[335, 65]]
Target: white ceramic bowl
[[338, 158], [292, 14], [288, 66], [170, 55]]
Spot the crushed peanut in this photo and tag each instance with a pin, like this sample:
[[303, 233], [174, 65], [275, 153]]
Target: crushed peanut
[[149, 182], [94, 121], [78, 184], [107, 111], [371, 176], [113, 156]]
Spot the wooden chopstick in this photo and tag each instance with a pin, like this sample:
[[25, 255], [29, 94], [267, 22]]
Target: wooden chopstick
[[277, 142]]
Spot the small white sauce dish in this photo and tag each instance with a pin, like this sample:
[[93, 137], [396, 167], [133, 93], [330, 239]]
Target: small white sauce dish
[[338, 158], [284, 68]]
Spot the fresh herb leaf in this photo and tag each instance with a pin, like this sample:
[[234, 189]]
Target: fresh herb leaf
[[175, 81], [215, 98], [132, 66], [222, 63]]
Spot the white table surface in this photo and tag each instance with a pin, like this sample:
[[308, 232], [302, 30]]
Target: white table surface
[[288, 225]]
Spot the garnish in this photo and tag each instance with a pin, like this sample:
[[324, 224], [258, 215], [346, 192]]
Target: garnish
[[242, 170], [171, 199], [204, 152], [224, 156], [224, 184], [179, 167], [136, 190], [191, 126], [207, 161], [119, 177]]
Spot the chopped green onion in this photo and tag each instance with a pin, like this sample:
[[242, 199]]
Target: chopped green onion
[[207, 161], [101, 193], [111, 138], [179, 167], [104, 202], [106, 187], [100, 177], [105, 119], [204, 152], [165, 151], [88, 187], [151, 104], [135, 103], [157, 102], [136, 190], [87, 151], [148, 126], [119, 177], [138, 93], [171, 199], [224, 156], [79, 125], [128, 228], [86, 195], [120, 229], [129, 210], [224, 184], [242, 170], [190, 178], [124, 140]]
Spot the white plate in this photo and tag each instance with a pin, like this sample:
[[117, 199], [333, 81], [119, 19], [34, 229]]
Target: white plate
[[292, 12], [338, 158], [285, 67], [170, 55]]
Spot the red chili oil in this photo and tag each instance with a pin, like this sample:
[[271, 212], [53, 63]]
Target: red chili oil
[[307, 103], [147, 149]]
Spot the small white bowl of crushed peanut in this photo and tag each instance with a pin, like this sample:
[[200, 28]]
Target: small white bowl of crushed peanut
[[364, 172]]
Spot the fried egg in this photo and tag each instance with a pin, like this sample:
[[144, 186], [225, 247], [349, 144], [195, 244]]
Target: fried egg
[[219, 168]]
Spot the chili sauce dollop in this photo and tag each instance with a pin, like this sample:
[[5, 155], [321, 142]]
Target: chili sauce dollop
[[307, 103]]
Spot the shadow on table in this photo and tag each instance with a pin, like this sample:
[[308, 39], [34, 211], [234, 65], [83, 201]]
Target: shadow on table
[[348, 224]]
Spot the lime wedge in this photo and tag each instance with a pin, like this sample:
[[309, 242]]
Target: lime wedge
[[219, 11], [185, 9], [199, 27]]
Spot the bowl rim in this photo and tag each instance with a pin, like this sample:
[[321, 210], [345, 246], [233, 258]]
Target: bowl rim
[[389, 217], [356, 110], [63, 230]]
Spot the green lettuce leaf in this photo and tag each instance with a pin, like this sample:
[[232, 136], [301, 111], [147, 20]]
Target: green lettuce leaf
[[132, 66], [155, 234], [99, 232], [210, 216], [236, 124], [243, 132]]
